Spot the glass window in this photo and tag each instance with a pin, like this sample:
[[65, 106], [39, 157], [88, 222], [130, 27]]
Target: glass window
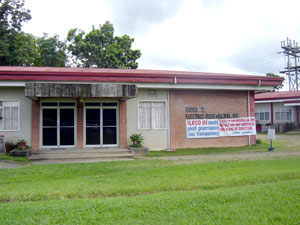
[[277, 115], [267, 115], [284, 114], [9, 115], [152, 115], [109, 104], [262, 116], [92, 104], [49, 103], [289, 115], [67, 104]]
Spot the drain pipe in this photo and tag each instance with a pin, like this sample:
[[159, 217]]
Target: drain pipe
[[249, 138]]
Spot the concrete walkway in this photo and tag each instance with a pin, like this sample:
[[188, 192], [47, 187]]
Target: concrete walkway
[[227, 157], [6, 164]]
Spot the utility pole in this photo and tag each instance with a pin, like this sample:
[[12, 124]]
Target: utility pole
[[291, 71]]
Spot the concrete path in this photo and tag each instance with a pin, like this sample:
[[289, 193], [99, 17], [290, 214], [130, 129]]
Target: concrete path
[[193, 158], [6, 164], [227, 157]]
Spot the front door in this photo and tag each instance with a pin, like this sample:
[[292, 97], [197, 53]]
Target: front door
[[58, 125], [101, 126]]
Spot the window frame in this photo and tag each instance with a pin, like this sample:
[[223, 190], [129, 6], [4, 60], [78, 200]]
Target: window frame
[[286, 111], [263, 111], [152, 101], [19, 115]]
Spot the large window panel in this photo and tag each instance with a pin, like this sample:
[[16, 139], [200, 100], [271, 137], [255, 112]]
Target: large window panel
[[152, 115], [144, 115], [9, 118], [284, 114], [262, 114]]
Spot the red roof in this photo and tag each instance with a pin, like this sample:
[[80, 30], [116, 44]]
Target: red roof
[[278, 95], [67, 74]]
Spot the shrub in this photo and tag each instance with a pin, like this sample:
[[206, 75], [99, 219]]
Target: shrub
[[137, 140], [289, 127], [258, 141]]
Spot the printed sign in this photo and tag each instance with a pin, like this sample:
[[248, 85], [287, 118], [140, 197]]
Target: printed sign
[[238, 127], [202, 128], [212, 128], [271, 134]]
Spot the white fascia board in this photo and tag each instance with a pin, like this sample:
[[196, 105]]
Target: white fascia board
[[158, 85], [281, 100], [292, 104], [12, 84], [205, 86]]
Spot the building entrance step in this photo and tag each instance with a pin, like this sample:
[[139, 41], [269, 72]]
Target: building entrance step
[[81, 155]]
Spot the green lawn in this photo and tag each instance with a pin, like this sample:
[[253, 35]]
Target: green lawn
[[274, 203], [153, 192], [13, 158], [280, 145], [67, 181]]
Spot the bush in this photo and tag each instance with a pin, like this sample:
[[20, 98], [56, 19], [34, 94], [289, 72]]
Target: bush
[[258, 141], [289, 127]]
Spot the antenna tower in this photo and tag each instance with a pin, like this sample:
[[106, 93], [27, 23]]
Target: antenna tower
[[291, 50]]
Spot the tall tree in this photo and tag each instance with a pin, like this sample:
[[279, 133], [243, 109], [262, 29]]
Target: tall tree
[[21, 49], [51, 52], [275, 75], [12, 15], [100, 48]]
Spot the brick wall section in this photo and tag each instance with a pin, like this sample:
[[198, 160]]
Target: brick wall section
[[80, 138], [123, 123], [35, 125], [252, 114], [215, 102]]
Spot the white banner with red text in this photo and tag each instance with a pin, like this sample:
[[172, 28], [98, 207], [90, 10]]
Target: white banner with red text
[[212, 128]]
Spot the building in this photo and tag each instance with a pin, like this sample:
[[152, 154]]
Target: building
[[277, 108], [82, 108]]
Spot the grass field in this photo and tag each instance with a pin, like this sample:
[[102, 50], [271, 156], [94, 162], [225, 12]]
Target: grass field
[[280, 145], [153, 192], [13, 158]]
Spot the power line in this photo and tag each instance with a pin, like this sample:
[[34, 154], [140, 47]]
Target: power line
[[292, 52]]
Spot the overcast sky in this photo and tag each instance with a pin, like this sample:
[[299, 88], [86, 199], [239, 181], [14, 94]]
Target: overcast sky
[[227, 36]]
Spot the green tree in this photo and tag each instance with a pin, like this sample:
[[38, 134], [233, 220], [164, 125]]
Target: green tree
[[21, 49], [275, 75], [100, 48], [12, 15], [51, 52]]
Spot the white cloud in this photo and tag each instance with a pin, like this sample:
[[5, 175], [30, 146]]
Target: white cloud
[[209, 35]]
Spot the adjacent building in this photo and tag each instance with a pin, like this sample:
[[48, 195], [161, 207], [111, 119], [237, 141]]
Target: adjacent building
[[280, 107], [96, 108]]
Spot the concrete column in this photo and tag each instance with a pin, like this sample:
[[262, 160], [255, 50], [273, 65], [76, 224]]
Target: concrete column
[[80, 138], [35, 125]]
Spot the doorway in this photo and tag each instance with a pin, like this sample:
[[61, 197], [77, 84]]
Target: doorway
[[101, 124], [58, 124]]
